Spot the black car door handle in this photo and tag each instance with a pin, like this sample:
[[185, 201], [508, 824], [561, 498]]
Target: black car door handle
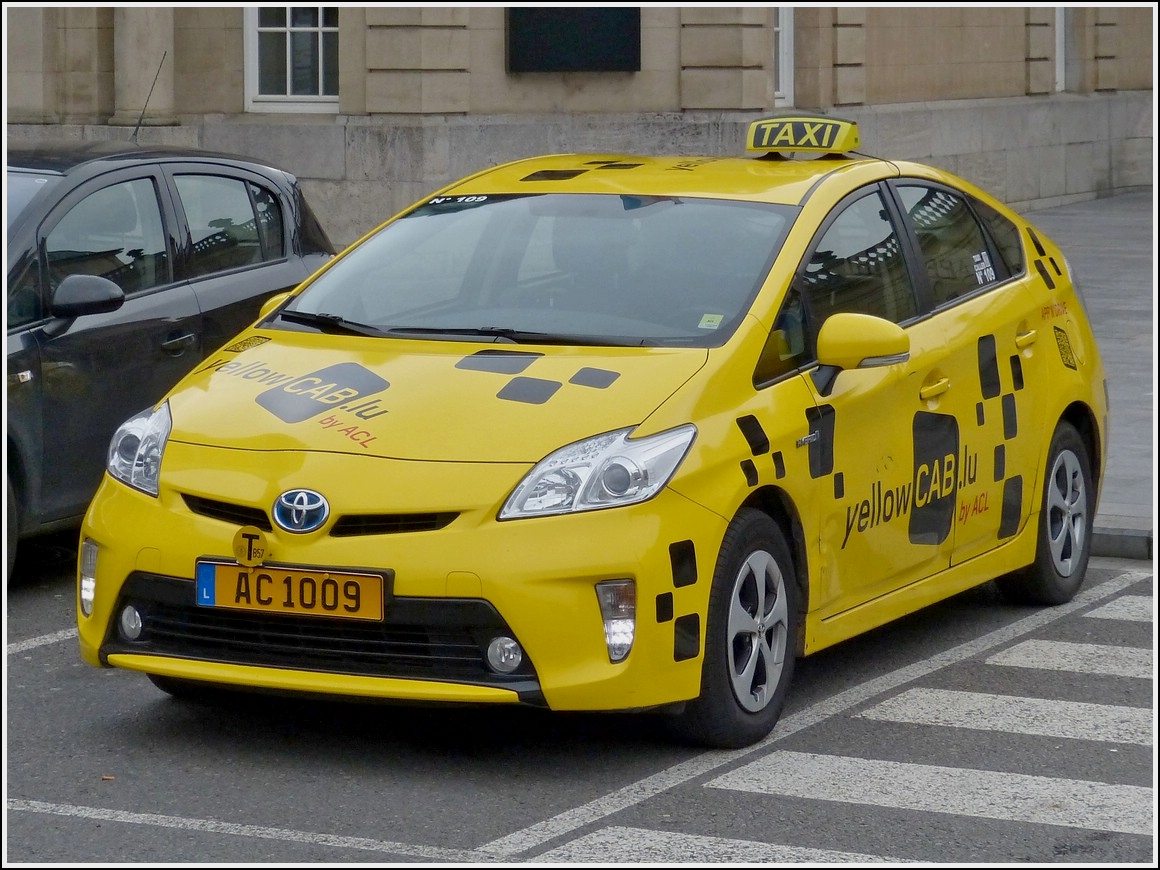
[[178, 344]]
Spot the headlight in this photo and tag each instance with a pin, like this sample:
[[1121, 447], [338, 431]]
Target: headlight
[[137, 447], [608, 470]]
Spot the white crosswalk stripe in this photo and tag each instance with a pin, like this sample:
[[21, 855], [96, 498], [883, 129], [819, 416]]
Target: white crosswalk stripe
[[928, 788], [1137, 608], [1082, 658], [990, 794], [639, 845], [1018, 715]]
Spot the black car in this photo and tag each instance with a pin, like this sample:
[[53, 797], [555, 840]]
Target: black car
[[127, 265]]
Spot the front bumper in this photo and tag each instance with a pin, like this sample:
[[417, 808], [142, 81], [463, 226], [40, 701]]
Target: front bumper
[[457, 584]]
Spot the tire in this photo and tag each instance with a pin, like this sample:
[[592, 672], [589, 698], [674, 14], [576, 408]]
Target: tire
[[13, 529], [750, 638], [1065, 527]]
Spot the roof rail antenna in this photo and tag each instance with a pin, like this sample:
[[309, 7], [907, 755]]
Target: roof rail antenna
[[149, 96]]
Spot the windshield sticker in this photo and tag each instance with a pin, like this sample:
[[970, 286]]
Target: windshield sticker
[[457, 200], [710, 321]]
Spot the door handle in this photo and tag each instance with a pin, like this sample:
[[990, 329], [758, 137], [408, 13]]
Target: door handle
[[1025, 338], [177, 345], [936, 389]]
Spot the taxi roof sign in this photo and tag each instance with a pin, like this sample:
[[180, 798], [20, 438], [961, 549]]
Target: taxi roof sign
[[803, 132]]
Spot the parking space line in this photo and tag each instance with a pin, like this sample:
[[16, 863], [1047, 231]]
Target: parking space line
[[433, 853], [43, 640]]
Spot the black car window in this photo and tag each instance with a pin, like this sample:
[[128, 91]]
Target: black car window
[[116, 233], [24, 302], [953, 244], [269, 223], [23, 187], [858, 267], [228, 228]]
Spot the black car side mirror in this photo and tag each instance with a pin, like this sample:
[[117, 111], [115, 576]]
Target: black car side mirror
[[86, 294], [82, 294]]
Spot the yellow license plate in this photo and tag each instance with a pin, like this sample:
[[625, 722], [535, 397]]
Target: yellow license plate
[[296, 591]]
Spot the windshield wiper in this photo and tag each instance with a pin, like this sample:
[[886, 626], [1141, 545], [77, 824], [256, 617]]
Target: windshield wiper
[[332, 323], [515, 336]]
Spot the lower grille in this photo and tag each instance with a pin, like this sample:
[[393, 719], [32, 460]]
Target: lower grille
[[421, 638]]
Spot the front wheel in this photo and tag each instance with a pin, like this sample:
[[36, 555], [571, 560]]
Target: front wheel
[[749, 638], [1065, 527]]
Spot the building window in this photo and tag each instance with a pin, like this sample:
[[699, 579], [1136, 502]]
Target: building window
[[573, 40], [783, 55], [292, 59]]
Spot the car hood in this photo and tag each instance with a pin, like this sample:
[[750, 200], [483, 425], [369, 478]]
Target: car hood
[[420, 400]]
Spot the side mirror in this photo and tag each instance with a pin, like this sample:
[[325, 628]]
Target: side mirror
[[857, 341], [861, 341], [86, 294], [270, 304]]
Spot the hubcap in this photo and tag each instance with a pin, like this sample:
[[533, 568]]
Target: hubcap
[[758, 631], [1066, 512]]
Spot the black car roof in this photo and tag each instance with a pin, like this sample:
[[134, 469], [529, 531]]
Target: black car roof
[[64, 155]]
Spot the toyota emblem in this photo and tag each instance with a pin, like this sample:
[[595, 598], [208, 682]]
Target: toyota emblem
[[301, 510]]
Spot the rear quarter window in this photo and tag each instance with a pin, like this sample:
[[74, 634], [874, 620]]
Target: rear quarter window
[[1006, 236]]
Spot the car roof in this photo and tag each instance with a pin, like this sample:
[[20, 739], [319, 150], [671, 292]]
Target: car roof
[[64, 155], [760, 179]]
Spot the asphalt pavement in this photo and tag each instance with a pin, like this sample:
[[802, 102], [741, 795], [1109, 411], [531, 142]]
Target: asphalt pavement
[[1111, 246]]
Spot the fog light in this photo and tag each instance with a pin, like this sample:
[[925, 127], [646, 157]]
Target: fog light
[[618, 609], [88, 575], [504, 655], [130, 623]]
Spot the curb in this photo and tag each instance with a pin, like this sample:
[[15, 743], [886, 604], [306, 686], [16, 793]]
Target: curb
[[1122, 542]]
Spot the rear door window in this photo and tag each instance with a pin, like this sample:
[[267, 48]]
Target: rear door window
[[233, 223], [953, 245]]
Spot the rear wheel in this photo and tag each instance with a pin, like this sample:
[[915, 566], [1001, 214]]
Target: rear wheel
[[1065, 527], [749, 638]]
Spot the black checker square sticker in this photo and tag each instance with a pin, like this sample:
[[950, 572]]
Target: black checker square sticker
[[936, 450], [324, 390]]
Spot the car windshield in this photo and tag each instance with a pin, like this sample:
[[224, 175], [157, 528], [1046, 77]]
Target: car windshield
[[555, 268], [22, 187]]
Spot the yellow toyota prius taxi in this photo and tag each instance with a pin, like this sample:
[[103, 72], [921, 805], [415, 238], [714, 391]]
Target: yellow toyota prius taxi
[[610, 432]]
